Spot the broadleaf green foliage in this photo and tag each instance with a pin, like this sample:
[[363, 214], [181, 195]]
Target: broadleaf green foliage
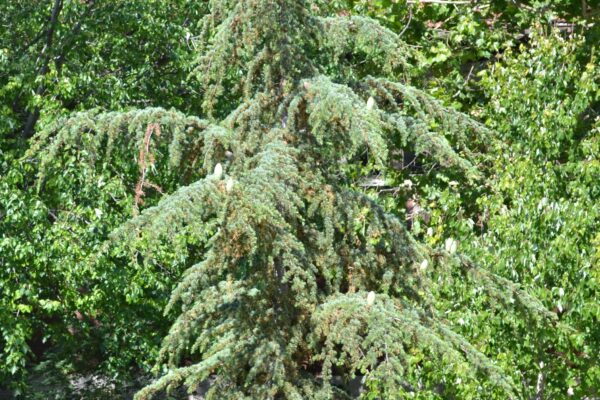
[[94, 53], [543, 213], [52, 305], [536, 220]]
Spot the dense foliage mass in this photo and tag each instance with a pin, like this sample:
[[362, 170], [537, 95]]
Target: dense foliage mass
[[283, 199]]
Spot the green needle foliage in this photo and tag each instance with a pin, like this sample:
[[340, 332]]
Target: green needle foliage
[[294, 276]]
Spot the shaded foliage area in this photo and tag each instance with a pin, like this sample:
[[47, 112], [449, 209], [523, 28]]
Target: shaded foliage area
[[62, 56], [100, 54]]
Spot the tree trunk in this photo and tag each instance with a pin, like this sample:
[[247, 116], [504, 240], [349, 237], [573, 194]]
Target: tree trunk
[[34, 115]]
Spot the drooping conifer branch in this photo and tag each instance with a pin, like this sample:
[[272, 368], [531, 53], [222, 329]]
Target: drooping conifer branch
[[280, 296]]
